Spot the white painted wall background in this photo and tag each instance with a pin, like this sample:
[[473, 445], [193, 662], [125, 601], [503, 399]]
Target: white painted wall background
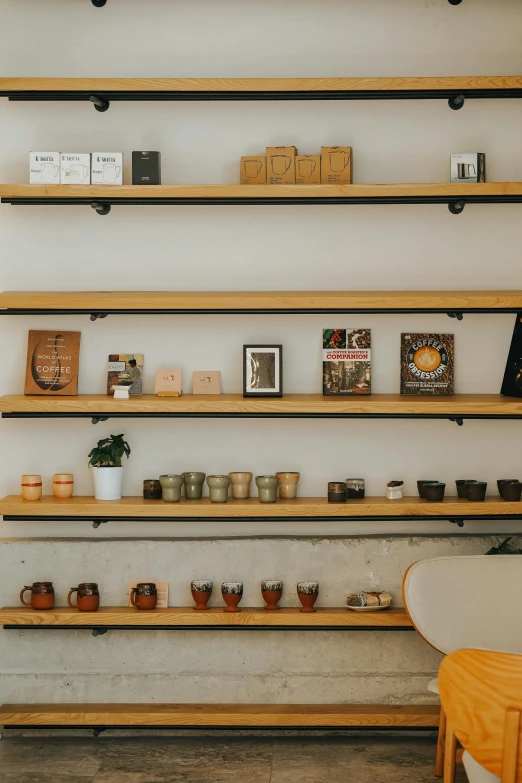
[[260, 248]]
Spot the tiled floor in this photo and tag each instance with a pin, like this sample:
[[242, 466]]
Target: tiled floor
[[332, 759]]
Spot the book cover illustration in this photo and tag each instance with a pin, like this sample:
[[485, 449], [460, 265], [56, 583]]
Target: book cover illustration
[[512, 382], [347, 361], [125, 369], [52, 363], [427, 363]]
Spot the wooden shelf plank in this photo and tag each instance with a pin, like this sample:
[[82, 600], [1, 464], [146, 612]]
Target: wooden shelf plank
[[224, 715], [312, 508], [489, 405], [101, 301], [391, 190], [358, 84], [114, 616]]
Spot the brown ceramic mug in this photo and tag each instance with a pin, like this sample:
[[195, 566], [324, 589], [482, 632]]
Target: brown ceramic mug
[[144, 595], [42, 595], [88, 597]]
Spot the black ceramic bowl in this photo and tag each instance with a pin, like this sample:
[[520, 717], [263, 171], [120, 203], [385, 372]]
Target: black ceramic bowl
[[512, 491], [421, 483], [462, 492], [434, 491], [476, 490]]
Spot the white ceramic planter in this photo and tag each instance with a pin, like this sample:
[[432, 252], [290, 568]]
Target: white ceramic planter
[[108, 483]]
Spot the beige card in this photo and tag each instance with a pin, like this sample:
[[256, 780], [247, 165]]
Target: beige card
[[161, 587], [206, 382], [168, 382]]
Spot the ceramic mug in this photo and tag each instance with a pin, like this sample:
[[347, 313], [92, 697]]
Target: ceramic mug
[[288, 484], [307, 593], [171, 484], [422, 482], [354, 488], [42, 595], [462, 492], [232, 593], [267, 487], [252, 168], [501, 482], [193, 485], [272, 590], [63, 485], [476, 490], [31, 484], [434, 491], [337, 492], [512, 491], [88, 597], [201, 590], [218, 488], [144, 595], [152, 489], [240, 483]]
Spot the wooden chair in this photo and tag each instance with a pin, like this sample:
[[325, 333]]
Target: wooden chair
[[458, 602], [481, 692]]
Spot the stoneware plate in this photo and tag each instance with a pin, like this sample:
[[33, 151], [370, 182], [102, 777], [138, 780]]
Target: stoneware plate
[[367, 608]]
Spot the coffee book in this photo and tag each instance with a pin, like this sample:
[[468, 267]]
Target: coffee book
[[427, 362], [347, 361], [512, 383], [52, 363], [125, 369]]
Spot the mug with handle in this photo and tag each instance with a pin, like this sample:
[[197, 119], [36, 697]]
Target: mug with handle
[[144, 595], [88, 597], [42, 595]]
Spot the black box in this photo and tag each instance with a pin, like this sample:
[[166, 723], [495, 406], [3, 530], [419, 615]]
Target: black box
[[146, 168], [512, 383]]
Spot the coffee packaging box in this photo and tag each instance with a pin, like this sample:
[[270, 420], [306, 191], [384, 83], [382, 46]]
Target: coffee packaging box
[[53, 358], [253, 170], [427, 362], [308, 170], [280, 165], [44, 168], [347, 362], [467, 167], [107, 168], [146, 168], [75, 168], [336, 165]]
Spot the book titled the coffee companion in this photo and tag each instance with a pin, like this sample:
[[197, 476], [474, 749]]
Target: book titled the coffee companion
[[347, 361], [53, 359], [427, 362]]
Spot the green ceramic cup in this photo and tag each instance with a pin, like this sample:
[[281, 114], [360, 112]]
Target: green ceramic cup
[[267, 487], [171, 484], [193, 485], [218, 488]]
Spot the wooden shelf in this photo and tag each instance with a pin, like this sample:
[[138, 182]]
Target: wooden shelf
[[220, 715], [187, 618], [96, 302], [307, 509], [96, 406]]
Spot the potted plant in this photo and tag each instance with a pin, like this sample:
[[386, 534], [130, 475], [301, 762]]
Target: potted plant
[[105, 460]]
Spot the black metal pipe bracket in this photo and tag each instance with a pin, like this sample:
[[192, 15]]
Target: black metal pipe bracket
[[458, 420], [454, 2], [97, 419], [101, 3], [457, 102], [97, 522], [100, 104], [95, 316], [99, 631], [456, 207], [459, 316], [101, 209]]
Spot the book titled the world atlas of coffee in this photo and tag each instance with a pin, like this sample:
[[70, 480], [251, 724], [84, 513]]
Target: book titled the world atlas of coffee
[[427, 363], [512, 383], [347, 362], [53, 359]]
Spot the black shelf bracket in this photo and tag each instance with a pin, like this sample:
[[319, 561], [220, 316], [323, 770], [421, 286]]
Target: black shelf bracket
[[100, 104], [454, 2], [97, 419], [101, 3], [101, 208], [457, 102], [458, 522], [97, 522], [95, 316], [99, 631], [459, 420], [456, 207], [459, 316], [98, 731]]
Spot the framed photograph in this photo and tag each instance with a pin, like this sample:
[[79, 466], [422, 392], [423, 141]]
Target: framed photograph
[[262, 371]]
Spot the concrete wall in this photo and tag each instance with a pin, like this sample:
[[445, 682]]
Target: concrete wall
[[312, 247]]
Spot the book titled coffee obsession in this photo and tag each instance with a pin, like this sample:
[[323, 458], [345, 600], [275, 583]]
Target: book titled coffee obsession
[[347, 361], [427, 362], [52, 363]]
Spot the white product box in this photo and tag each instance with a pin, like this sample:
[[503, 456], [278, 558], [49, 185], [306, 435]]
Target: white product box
[[44, 168], [107, 168], [75, 168], [468, 167]]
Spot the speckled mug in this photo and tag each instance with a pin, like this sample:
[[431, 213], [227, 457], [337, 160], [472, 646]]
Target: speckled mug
[[201, 591], [307, 593], [272, 590], [267, 487], [232, 593]]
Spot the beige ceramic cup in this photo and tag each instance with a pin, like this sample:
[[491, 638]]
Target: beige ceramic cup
[[241, 484], [31, 486], [288, 484], [63, 484]]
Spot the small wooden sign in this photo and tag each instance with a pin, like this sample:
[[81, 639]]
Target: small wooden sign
[[52, 363]]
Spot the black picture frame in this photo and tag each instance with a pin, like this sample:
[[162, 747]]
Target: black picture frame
[[512, 381], [277, 352]]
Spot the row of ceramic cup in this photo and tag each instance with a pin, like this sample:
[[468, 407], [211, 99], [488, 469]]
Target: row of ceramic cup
[[509, 489], [271, 590], [170, 485], [31, 485]]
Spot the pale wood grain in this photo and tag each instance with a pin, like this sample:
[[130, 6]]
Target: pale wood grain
[[31, 84], [97, 301], [401, 190], [136, 506], [254, 715], [186, 616]]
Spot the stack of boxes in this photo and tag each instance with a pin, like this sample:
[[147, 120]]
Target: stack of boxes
[[283, 166], [79, 168]]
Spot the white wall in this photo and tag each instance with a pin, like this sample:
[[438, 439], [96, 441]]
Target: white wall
[[263, 248]]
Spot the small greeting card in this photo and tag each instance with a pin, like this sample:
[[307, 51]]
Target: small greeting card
[[168, 383], [161, 587], [206, 382]]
